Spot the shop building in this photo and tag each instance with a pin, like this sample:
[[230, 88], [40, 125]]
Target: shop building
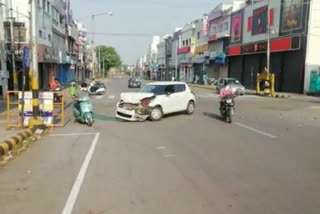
[[248, 43], [176, 44], [185, 53], [201, 53]]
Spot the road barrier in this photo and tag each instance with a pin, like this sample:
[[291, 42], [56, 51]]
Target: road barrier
[[12, 142], [51, 109]]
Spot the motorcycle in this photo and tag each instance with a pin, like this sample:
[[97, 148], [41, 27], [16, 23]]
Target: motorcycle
[[96, 89], [227, 108], [57, 98], [83, 111], [83, 87]]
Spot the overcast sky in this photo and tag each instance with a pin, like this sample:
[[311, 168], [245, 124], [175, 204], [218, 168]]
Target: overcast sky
[[137, 16]]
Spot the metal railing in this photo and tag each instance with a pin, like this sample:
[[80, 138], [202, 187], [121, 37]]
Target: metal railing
[[52, 113]]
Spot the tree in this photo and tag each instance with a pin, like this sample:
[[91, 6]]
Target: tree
[[109, 57]]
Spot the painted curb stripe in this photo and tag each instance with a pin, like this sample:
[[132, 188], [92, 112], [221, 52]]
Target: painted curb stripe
[[29, 132], [20, 138], [2, 152], [4, 147], [13, 143], [9, 144], [21, 135], [16, 139]]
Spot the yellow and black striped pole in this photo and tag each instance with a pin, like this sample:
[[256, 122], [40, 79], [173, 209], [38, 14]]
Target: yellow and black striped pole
[[34, 67]]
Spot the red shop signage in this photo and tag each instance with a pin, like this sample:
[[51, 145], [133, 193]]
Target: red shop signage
[[184, 50]]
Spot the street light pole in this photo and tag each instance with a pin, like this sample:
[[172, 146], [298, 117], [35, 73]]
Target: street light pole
[[34, 65], [3, 56], [13, 58], [268, 38], [93, 28], [103, 71]]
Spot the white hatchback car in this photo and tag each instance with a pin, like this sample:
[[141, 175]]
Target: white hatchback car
[[155, 100]]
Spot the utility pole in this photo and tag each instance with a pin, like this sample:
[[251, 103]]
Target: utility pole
[[99, 61], [268, 38], [34, 66], [13, 58], [103, 71], [3, 73]]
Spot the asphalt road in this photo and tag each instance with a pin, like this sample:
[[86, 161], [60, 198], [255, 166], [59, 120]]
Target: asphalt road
[[266, 162]]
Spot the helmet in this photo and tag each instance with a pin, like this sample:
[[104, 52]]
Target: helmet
[[72, 83], [227, 87]]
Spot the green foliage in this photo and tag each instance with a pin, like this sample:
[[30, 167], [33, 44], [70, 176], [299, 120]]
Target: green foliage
[[109, 56]]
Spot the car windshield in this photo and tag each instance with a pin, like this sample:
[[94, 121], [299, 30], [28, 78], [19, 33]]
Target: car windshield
[[233, 81], [156, 89]]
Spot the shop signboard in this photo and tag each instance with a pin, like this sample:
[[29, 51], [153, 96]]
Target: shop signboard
[[259, 20], [293, 16], [254, 48], [236, 27]]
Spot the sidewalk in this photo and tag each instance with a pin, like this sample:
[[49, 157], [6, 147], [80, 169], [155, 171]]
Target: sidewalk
[[290, 96], [4, 133], [7, 133]]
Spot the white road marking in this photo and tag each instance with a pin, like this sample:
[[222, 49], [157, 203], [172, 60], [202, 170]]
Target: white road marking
[[315, 107], [169, 156], [256, 130], [71, 134], [161, 148], [79, 180]]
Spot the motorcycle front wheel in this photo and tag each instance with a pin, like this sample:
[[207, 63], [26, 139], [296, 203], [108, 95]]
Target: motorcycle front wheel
[[90, 121]]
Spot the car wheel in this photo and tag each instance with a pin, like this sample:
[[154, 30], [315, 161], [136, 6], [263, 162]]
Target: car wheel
[[156, 113], [191, 108]]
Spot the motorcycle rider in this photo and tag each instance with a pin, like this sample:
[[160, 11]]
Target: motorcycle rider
[[54, 84], [224, 92]]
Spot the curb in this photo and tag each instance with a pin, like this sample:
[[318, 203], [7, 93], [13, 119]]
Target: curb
[[12, 142], [202, 87]]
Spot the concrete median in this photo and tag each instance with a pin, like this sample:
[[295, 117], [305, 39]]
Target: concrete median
[[7, 145]]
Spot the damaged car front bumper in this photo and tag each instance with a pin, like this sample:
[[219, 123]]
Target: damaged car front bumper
[[132, 112]]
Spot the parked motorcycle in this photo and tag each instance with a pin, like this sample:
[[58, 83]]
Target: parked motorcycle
[[83, 87], [83, 111], [227, 108], [96, 89], [57, 98]]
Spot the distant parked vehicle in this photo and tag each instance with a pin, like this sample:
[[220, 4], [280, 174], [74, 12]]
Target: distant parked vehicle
[[235, 85], [83, 86], [97, 88], [134, 83]]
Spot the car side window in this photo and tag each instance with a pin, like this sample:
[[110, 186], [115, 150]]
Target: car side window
[[180, 88], [169, 89]]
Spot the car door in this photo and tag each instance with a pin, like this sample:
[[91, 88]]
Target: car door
[[168, 99], [181, 98]]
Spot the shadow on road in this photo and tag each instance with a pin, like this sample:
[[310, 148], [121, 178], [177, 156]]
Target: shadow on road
[[213, 115]]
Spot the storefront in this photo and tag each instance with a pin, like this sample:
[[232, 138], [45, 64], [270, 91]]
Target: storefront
[[247, 54], [185, 62], [286, 62]]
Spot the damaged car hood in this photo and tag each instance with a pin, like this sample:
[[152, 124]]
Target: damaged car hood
[[134, 97]]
